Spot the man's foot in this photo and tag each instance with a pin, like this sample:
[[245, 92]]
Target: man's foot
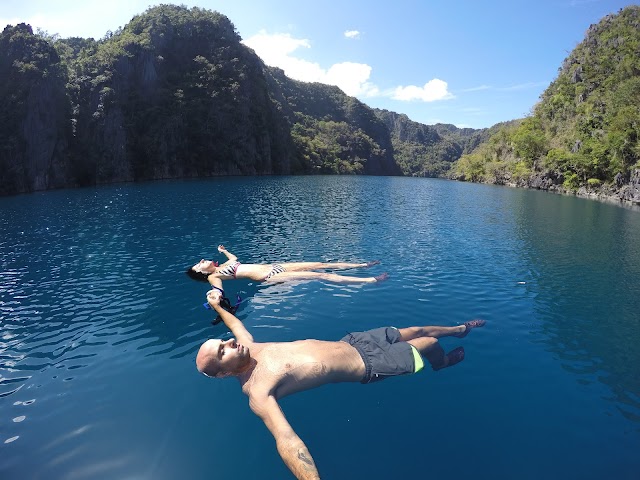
[[372, 263], [453, 357], [468, 326], [382, 277]]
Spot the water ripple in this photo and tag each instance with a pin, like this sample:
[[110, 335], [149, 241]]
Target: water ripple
[[99, 325]]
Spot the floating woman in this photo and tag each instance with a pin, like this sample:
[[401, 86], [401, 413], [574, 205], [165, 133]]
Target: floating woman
[[207, 270]]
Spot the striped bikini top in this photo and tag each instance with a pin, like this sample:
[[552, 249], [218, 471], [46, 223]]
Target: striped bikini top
[[229, 270]]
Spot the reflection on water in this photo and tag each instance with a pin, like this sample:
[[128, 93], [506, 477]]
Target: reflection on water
[[585, 257], [100, 326]]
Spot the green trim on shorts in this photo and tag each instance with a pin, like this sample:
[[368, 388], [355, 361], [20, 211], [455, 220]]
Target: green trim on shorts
[[417, 359]]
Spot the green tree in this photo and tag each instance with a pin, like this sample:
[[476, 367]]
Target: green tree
[[529, 142]]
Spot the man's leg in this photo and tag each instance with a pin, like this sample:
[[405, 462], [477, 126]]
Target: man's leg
[[410, 333], [430, 348], [459, 331], [425, 340]]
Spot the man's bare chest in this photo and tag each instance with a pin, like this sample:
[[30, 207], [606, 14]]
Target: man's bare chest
[[283, 375]]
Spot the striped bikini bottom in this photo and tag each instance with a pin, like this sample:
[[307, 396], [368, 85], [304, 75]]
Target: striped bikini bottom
[[275, 269]]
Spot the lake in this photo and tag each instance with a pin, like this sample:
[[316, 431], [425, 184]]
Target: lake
[[100, 327]]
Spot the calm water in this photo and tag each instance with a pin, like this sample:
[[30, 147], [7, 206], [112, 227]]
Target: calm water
[[100, 326]]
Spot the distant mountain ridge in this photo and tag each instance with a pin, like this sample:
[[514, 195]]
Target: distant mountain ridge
[[175, 94], [172, 94], [429, 150]]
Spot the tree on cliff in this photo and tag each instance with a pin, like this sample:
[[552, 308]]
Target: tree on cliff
[[585, 131], [172, 94]]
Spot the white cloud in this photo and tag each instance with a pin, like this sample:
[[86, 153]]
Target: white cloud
[[523, 86], [510, 88], [277, 50], [352, 78], [280, 50], [432, 91], [477, 89], [352, 34], [274, 47]]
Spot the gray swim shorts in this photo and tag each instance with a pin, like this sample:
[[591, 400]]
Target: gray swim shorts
[[383, 353]]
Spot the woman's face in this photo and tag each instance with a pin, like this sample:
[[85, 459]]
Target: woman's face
[[204, 266]]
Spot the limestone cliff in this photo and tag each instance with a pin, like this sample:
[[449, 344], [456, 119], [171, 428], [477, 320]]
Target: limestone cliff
[[172, 94], [35, 120]]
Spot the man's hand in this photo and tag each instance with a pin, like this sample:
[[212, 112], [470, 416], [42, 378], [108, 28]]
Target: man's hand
[[213, 297], [234, 324]]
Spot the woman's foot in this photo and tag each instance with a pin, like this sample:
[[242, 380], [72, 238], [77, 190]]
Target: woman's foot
[[372, 263], [468, 326], [382, 277]]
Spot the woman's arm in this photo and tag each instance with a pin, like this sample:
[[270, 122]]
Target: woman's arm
[[230, 256], [215, 281]]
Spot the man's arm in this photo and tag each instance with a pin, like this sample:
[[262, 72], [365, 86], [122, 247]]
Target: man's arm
[[230, 256], [231, 321], [291, 448]]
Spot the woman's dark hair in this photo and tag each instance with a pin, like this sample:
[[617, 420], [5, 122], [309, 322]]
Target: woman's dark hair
[[200, 276]]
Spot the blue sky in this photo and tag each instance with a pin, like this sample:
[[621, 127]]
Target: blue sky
[[468, 63]]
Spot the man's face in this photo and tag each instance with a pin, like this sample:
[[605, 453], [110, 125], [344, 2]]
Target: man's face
[[223, 356]]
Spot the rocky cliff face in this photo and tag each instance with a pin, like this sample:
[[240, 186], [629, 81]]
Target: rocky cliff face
[[583, 136], [179, 102], [35, 126], [319, 101], [427, 150], [173, 94], [405, 130]]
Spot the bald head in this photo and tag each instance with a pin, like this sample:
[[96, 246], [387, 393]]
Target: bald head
[[218, 358], [207, 358]]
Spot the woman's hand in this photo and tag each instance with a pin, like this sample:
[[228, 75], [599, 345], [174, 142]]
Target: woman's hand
[[213, 297], [230, 256]]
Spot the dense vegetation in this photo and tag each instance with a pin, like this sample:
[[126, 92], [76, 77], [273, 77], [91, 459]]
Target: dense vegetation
[[332, 132], [172, 94], [175, 94], [33, 126], [584, 132], [429, 150]]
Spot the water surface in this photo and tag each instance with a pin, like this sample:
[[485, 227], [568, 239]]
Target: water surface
[[100, 326]]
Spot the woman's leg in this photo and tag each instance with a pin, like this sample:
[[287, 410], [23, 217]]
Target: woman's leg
[[328, 277], [306, 266]]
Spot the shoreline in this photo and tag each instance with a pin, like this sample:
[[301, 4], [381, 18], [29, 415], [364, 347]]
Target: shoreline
[[625, 195], [603, 194]]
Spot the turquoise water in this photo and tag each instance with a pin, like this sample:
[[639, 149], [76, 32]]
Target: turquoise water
[[100, 326]]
